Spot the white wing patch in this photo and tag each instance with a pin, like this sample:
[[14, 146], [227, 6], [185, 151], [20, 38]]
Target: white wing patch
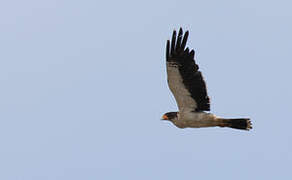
[[182, 96]]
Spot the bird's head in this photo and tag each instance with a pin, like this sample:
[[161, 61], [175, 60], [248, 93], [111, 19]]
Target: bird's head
[[169, 116]]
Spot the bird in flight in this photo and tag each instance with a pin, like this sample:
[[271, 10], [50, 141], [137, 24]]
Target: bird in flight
[[189, 89]]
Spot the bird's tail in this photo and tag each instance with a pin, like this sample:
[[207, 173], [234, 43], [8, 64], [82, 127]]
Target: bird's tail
[[241, 123]]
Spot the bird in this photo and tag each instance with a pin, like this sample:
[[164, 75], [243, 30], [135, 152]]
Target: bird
[[188, 87]]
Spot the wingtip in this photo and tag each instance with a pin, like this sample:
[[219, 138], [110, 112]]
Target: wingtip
[[178, 41], [167, 49], [173, 39], [180, 32], [185, 39], [174, 33], [192, 53]]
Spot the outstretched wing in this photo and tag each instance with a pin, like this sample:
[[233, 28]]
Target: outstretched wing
[[184, 78]]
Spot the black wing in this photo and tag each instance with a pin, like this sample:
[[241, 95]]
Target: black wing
[[184, 78]]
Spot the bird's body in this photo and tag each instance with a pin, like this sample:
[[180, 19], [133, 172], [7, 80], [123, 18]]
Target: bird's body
[[189, 89], [195, 120]]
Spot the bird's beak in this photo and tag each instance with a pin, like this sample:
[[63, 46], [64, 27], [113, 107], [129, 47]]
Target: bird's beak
[[164, 117]]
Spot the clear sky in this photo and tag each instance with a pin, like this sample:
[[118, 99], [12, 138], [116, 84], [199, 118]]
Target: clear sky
[[83, 88]]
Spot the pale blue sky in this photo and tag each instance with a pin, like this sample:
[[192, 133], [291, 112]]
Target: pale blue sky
[[83, 87]]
